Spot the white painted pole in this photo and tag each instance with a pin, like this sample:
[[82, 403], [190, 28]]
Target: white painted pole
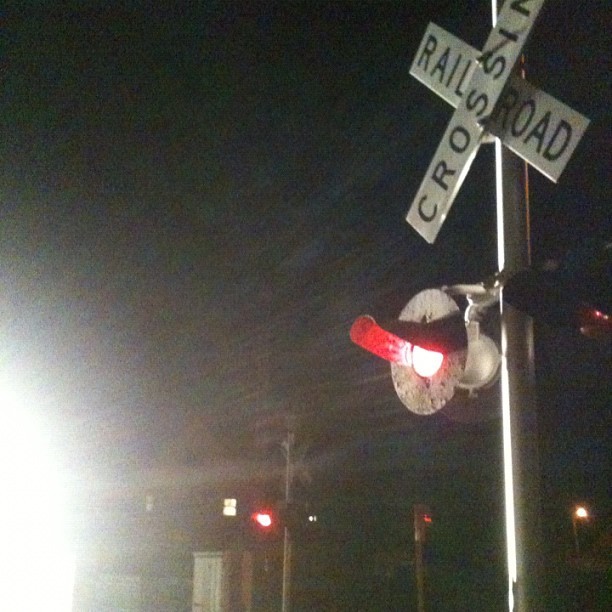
[[519, 414]]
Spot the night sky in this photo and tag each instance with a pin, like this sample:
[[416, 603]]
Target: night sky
[[198, 198]]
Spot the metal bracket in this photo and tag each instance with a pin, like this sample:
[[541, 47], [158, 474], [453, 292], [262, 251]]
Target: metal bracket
[[480, 297]]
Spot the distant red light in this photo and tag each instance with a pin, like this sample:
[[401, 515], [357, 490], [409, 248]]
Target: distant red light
[[595, 323], [427, 518], [263, 519]]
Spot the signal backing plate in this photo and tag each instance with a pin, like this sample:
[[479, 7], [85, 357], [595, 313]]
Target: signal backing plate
[[428, 395]]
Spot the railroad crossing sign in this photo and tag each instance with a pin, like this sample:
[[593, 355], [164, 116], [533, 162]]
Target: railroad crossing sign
[[489, 99]]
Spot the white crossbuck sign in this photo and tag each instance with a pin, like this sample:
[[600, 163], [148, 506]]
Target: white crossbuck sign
[[489, 98]]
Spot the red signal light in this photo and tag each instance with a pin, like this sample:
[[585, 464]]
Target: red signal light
[[367, 334], [594, 323], [427, 519], [263, 519]]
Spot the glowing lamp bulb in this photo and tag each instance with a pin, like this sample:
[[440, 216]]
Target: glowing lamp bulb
[[426, 363]]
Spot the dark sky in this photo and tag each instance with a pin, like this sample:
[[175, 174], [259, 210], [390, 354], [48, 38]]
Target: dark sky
[[198, 198], [198, 201]]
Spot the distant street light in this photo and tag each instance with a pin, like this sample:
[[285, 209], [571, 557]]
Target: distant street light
[[580, 514]]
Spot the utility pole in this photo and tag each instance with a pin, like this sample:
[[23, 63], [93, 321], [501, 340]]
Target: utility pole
[[287, 544], [421, 514]]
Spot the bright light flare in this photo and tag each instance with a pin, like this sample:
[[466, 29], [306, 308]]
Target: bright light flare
[[36, 565]]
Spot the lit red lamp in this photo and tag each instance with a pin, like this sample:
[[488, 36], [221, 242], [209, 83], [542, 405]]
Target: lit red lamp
[[367, 334]]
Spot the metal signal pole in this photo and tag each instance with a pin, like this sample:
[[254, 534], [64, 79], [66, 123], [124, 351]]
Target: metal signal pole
[[519, 411]]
